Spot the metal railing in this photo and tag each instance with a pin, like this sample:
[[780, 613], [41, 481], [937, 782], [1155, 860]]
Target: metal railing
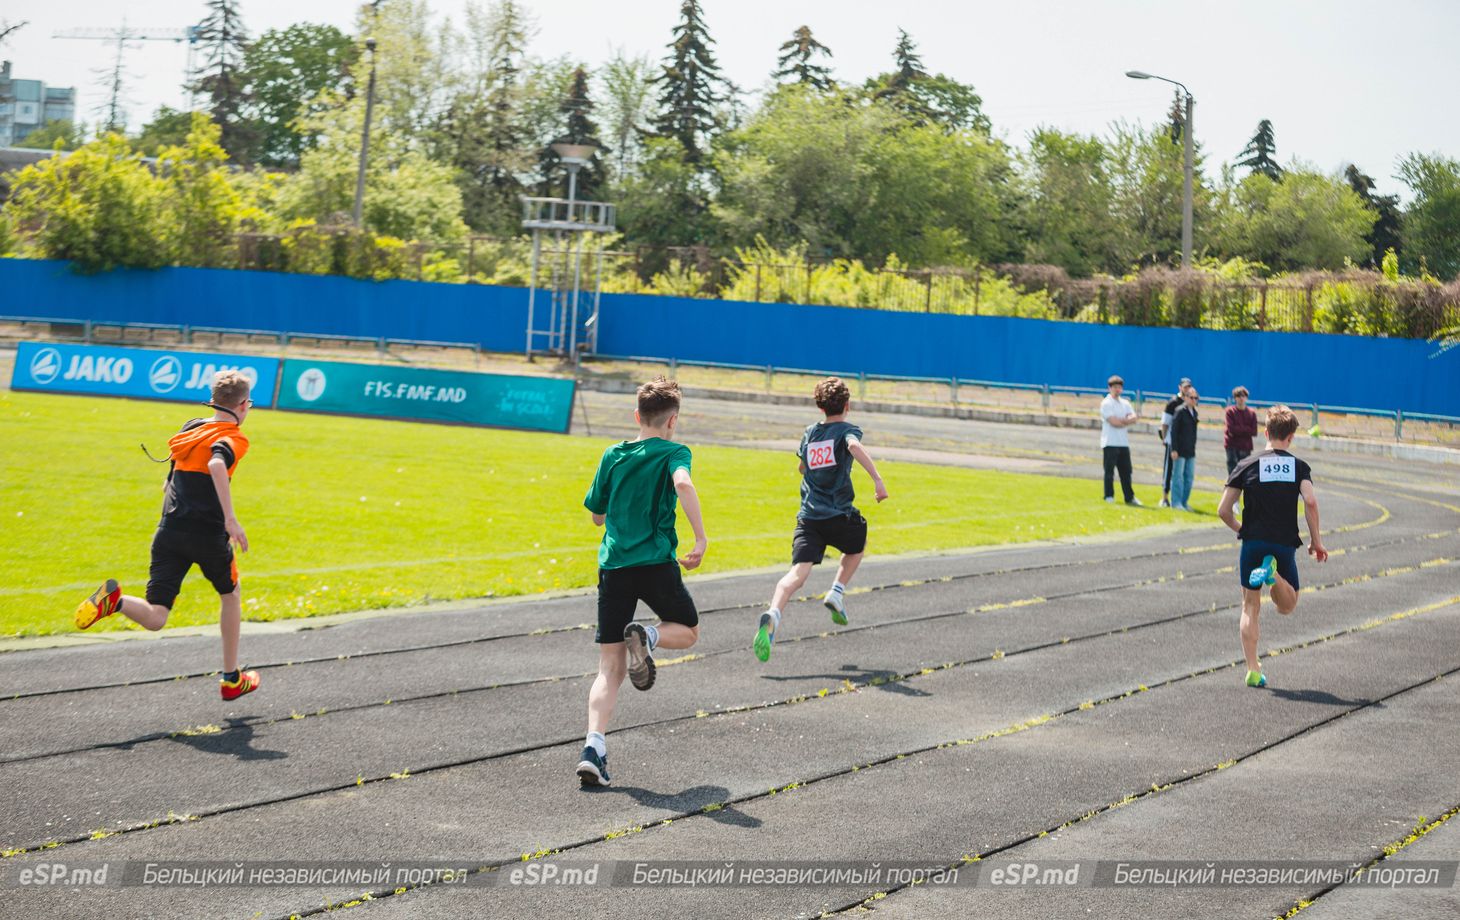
[[1045, 390], [86, 331]]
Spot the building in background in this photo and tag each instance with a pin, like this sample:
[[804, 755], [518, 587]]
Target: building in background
[[26, 105]]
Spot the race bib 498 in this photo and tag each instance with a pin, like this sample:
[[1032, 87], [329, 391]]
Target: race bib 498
[[820, 455], [1276, 469]]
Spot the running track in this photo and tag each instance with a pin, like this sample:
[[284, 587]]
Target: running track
[[1047, 703]]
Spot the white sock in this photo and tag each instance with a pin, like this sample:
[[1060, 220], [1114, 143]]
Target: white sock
[[837, 587], [597, 742], [775, 613], [653, 634]]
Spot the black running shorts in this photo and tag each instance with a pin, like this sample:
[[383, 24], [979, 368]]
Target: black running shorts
[[660, 586], [175, 551], [847, 533]]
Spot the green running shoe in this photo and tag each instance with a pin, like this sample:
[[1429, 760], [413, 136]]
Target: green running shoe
[[763, 638], [838, 607], [1256, 679]]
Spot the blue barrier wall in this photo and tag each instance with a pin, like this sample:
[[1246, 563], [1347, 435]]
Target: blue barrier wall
[[493, 317], [1334, 370]]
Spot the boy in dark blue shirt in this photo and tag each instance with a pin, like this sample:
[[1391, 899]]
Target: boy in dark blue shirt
[[827, 516]]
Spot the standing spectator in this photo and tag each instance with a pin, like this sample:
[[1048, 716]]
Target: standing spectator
[[1172, 405], [1241, 427], [1116, 415], [1183, 450]]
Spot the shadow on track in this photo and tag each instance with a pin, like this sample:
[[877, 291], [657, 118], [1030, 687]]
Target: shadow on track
[[695, 799], [1321, 697], [882, 679], [235, 740]]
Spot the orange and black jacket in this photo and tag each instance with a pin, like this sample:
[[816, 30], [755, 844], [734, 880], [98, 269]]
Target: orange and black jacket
[[190, 502]]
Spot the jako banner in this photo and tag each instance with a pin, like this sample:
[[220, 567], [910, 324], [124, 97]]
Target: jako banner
[[140, 373], [493, 400]]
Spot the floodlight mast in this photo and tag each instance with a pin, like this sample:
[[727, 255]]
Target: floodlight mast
[[569, 221]]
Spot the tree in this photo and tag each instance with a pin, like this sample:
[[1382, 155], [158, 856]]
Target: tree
[[8, 28], [168, 128], [797, 65], [481, 133], [862, 181], [928, 98], [1147, 175], [60, 131], [1260, 154], [200, 206], [1385, 235], [290, 73], [1431, 231], [222, 42], [626, 92], [1067, 214], [1176, 117], [665, 203], [690, 86], [99, 207], [577, 113], [1303, 220]]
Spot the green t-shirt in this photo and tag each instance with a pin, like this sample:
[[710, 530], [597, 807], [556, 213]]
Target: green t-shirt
[[634, 488]]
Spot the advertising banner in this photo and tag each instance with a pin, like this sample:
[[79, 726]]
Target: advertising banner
[[139, 373], [422, 394]]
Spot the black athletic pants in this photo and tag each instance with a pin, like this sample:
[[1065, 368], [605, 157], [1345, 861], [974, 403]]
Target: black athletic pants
[[1118, 458]]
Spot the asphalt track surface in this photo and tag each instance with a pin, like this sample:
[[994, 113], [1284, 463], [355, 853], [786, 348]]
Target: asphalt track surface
[[1057, 704]]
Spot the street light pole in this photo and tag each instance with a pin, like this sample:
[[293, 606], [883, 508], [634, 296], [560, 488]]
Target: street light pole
[[359, 213], [1188, 152]]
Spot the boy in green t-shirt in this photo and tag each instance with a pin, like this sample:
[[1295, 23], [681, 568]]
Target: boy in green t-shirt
[[633, 497]]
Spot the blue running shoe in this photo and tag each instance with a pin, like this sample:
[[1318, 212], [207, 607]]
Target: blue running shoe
[[592, 769], [1264, 574], [1256, 679]]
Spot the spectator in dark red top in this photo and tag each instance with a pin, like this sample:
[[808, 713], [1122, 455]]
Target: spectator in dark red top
[[1241, 427]]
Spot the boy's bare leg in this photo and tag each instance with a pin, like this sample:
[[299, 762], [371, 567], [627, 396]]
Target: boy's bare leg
[[677, 635], [230, 616], [1284, 597], [847, 568], [1251, 607], [790, 583], [613, 667], [148, 616]]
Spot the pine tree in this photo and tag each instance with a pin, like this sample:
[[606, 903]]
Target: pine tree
[[481, 134], [577, 110], [222, 40], [795, 64], [691, 85], [1176, 118], [1260, 154], [1385, 235], [900, 87]]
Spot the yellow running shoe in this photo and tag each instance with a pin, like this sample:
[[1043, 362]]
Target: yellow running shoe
[[103, 602]]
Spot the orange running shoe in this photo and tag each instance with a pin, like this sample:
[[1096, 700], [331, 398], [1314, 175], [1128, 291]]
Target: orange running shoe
[[248, 682], [103, 602]]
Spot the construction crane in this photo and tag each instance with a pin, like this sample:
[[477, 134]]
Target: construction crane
[[126, 34]]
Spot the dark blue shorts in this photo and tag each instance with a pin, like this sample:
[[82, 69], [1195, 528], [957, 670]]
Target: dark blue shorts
[[1254, 550]]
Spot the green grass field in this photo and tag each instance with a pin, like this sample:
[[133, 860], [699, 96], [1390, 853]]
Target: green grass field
[[350, 514]]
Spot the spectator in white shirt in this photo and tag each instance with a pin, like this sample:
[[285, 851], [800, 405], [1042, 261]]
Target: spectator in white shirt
[[1116, 415]]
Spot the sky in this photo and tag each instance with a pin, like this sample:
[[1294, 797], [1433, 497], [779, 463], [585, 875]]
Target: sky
[[1341, 80]]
